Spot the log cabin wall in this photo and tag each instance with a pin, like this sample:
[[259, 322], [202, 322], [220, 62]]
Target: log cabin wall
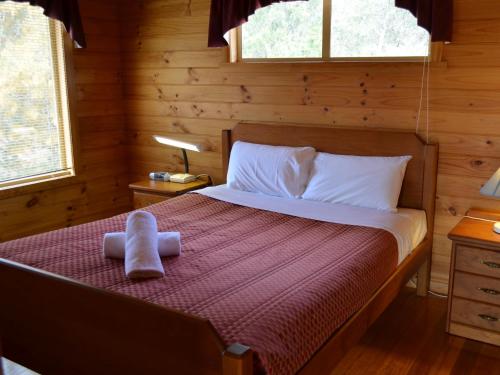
[[100, 188], [175, 86]]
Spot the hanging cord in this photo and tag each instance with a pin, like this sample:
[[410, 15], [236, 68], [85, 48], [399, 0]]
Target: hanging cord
[[426, 74], [413, 281], [208, 177], [427, 96], [437, 294], [424, 85]]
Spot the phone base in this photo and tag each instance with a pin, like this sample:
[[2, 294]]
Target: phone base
[[182, 178]]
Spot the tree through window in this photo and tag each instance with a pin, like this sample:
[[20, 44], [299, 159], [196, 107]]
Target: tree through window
[[324, 29], [34, 126]]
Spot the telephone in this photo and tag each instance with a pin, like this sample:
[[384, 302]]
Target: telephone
[[181, 178], [159, 176]]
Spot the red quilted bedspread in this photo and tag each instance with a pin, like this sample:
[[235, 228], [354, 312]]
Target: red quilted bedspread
[[278, 283]]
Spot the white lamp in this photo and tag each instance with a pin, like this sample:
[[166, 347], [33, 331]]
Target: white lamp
[[180, 177], [492, 189]]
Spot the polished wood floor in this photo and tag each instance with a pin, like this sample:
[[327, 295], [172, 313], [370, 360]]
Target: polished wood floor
[[409, 338]]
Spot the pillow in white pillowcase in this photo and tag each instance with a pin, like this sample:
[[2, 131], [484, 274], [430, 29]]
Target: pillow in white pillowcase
[[365, 181], [272, 170]]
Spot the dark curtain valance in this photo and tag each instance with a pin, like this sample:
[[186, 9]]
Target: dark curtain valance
[[228, 14], [436, 16], [66, 11]]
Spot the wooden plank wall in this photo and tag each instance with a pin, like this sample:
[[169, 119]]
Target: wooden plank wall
[[100, 189], [177, 87]]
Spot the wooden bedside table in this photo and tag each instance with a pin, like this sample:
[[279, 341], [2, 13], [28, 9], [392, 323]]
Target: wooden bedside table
[[149, 192], [474, 292]]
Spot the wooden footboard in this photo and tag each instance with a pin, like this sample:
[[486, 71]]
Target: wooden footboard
[[55, 325]]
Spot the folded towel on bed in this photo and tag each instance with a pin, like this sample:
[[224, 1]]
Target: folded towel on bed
[[142, 259], [169, 244]]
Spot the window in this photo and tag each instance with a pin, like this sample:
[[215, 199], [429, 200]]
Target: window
[[35, 140], [329, 30]]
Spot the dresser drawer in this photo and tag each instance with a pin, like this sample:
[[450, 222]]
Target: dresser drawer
[[476, 314], [474, 333], [478, 288], [476, 260]]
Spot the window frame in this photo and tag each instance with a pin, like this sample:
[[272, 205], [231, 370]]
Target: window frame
[[236, 46], [66, 96]]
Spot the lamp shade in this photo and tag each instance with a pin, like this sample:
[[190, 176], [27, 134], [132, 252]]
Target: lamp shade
[[492, 187], [178, 144]]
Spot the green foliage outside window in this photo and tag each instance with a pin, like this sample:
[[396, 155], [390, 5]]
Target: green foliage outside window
[[29, 130], [359, 28]]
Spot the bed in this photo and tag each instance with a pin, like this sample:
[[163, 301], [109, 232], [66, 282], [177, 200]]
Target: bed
[[256, 290]]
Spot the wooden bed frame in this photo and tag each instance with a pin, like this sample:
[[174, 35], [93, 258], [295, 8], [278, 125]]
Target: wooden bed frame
[[55, 325]]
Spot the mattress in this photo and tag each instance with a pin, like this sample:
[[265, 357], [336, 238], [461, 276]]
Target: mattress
[[279, 283]]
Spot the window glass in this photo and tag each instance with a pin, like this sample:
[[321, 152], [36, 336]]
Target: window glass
[[375, 28], [284, 30], [33, 131], [359, 29]]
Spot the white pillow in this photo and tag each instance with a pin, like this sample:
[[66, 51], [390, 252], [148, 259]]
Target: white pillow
[[272, 170], [364, 181]]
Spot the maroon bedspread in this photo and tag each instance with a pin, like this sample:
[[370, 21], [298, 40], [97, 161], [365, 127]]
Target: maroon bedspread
[[278, 283]]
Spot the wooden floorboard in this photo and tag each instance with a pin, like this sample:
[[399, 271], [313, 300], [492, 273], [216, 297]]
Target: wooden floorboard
[[409, 338]]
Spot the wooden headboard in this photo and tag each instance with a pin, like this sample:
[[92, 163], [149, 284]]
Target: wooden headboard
[[419, 185]]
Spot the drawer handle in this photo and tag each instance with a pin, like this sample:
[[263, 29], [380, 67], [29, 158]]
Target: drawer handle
[[488, 318], [493, 292], [490, 264]]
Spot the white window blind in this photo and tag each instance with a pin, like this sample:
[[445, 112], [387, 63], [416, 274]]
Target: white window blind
[[35, 140]]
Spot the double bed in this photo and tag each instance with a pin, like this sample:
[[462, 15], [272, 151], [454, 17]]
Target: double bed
[[264, 284]]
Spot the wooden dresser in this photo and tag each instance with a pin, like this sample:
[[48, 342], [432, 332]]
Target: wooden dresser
[[474, 292], [149, 192]]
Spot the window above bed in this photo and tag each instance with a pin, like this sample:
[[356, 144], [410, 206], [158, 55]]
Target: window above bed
[[329, 30], [35, 139]]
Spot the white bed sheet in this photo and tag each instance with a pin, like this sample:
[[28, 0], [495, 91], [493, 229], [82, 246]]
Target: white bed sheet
[[408, 226]]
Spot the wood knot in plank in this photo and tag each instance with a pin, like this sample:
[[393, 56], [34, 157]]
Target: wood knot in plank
[[32, 202], [477, 163]]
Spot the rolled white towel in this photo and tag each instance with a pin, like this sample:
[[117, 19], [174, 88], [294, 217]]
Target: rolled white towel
[[142, 259], [169, 244]]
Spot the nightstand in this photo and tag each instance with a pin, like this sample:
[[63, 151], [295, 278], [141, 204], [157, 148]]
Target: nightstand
[[149, 192], [474, 291]]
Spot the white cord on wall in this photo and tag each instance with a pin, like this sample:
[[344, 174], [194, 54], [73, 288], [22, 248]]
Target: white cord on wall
[[427, 95], [422, 84], [425, 84]]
